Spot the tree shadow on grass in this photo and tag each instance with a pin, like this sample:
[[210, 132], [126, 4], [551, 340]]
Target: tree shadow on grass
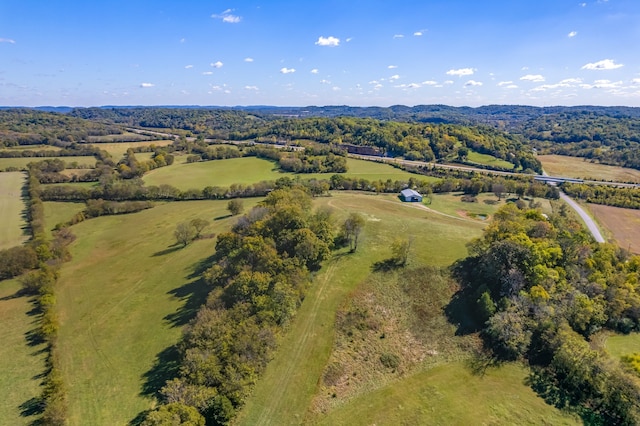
[[195, 293], [386, 265], [32, 407], [461, 308], [222, 217], [169, 250], [164, 368]]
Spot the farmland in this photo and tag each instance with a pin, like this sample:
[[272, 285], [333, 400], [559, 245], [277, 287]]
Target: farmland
[[12, 207], [581, 168], [118, 149], [623, 224], [20, 163]]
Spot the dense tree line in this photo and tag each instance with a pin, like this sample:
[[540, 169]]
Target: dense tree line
[[608, 195], [22, 126], [538, 288], [259, 275]]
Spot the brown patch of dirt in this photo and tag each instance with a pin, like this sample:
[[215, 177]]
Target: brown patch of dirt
[[623, 225]]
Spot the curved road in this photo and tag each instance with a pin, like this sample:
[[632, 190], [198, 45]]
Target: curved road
[[591, 225]]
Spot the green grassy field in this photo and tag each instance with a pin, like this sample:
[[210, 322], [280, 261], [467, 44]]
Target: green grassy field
[[122, 301], [12, 231], [59, 212], [623, 344], [488, 160], [286, 391], [481, 210], [250, 169], [37, 147], [581, 168], [21, 163], [20, 363], [118, 149], [451, 395]]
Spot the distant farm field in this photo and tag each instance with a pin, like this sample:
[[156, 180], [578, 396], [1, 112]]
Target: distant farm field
[[12, 207], [488, 160], [118, 149], [21, 363], [624, 224], [122, 302], [31, 148], [57, 212], [21, 162], [251, 169], [130, 136], [581, 168]]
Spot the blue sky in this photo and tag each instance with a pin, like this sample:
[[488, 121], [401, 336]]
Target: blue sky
[[298, 53]]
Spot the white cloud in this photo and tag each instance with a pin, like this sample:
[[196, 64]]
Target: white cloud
[[635, 81], [605, 64], [251, 87], [473, 83], [145, 85], [572, 34], [511, 86], [328, 41], [398, 36], [315, 71], [188, 66], [7, 40], [462, 71], [217, 64], [287, 70], [336, 89], [536, 78], [419, 33], [325, 81], [349, 39], [505, 83], [394, 77], [227, 17], [524, 68], [448, 82], [207, 73], [391, 67], [569, 81], [413, 85], [430, 83], [248, 59], [583, 4]]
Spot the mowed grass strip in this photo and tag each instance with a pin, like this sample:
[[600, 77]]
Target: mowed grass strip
[[20, 363], [451, 395], [122, 301], [581, 168], [623, 224], [283, 395], [12, 207], [21, 162]]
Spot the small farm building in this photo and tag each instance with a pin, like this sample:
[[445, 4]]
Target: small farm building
[[410, 195]]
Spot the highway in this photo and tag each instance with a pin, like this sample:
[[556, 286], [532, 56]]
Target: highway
[[591, 225]]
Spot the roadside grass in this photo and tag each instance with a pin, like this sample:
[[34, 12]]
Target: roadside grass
[[122, 302], [450, 394], [118, 149], [623, 225], [21, 162], [488, 160], [13, 231], [285, 392], [581, 168], [22, 361]]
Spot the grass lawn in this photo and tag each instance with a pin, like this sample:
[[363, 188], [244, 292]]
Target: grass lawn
[[12, 206], [21, 163], [581, 168], [285, 392], [451, 395], [482, 210], [118, 149], [122, 302], [622, 224], [20, 363], [488, 160]]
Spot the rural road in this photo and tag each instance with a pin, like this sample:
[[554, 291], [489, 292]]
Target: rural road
[[591, 225]]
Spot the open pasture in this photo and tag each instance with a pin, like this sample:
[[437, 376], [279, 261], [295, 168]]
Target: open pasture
[[582, 168], [623, 224], [370, 170], [118, 149], [57, 212], [488, 160], [37, 147], [124, 136], [21, 162], [286, 391], [12, 207], [619, 345], [122, 301]]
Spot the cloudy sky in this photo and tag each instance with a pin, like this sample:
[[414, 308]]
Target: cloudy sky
[[297, 53]]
